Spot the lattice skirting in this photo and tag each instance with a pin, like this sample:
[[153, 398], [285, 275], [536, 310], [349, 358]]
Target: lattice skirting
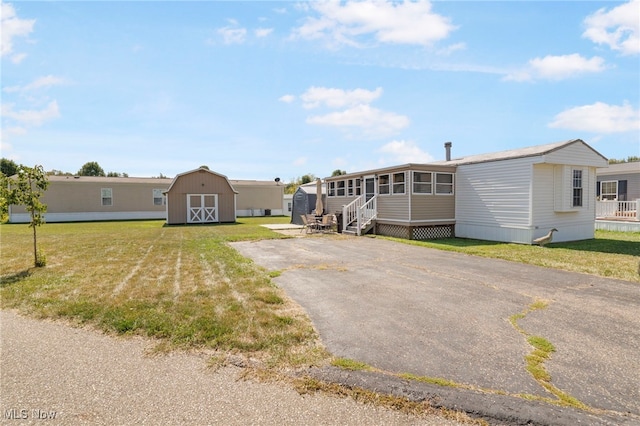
[[415, 232]]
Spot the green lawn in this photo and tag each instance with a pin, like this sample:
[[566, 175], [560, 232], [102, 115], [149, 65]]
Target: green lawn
[[610, 254], [181, 284]]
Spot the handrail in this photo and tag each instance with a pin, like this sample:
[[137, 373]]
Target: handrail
[[360, 212]]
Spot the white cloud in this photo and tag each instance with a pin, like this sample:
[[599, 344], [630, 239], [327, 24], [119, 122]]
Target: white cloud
[[618, 28], [372, 121], [233, 35], [338, 98], [287, 98], [262, 32], [32, 118], [11, 26], [557, 68], [18, 57], [599, 118], [39, 83], [404, 152], [344, 23], [448, 50]]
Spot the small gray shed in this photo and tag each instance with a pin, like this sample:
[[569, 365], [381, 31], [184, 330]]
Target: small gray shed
[[304, 201]]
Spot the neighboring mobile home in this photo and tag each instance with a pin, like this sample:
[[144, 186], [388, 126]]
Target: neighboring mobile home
[[619, 182], [258, 198], [92, 198], [510, 196]]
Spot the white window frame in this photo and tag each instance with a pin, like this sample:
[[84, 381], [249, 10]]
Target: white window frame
[[159, 199], [350, 188], [384, 184], [577, 188], [423, 184], [341, 188], [106, 194], [399, 187], [608, 196], [358, 187], [331, 191], [441, 185]]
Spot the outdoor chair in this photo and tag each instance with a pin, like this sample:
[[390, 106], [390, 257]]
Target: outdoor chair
[[327, 222], [309, 223]]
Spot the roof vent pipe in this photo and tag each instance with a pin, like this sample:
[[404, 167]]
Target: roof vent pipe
[[447, 147]]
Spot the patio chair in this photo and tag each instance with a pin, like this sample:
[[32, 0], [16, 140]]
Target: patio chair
[[308, 223], [327, 222]]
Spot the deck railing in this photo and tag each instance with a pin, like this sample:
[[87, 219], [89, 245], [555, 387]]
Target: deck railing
[[359, 213], [629, 210]]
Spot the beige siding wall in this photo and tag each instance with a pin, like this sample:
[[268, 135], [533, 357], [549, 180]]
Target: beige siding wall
[[84, 195], [200, 182], [394, 208], [259, 197], [334, 204], [430, 208]]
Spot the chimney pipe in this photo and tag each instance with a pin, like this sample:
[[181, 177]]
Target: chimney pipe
[[447, 147]]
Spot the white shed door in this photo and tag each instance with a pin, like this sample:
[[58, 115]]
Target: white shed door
[[202, 208]]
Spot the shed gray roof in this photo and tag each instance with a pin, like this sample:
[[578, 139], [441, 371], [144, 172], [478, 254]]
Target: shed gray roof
[[531, 151]]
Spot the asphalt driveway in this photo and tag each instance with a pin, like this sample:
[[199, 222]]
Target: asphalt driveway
[[408, 309]]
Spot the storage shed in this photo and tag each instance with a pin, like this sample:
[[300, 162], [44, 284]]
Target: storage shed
[[200, 196], [518, 195], [304, 201]]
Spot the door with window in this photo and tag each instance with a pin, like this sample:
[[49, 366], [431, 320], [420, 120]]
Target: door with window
[[202, 208], [369, 187]]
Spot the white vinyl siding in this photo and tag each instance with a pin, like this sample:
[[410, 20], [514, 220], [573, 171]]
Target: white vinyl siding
[[493, 200], [574, 224]]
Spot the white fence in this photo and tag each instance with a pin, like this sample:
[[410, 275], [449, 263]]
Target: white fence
[[626, 210]]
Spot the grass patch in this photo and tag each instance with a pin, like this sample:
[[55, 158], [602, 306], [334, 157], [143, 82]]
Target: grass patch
[[183, 285], [308, 385], [350, 364], [542, 350], [610, 254], [433, 380]]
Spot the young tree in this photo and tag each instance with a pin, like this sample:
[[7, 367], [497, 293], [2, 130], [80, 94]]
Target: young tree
[[4, 197], [26, 189]]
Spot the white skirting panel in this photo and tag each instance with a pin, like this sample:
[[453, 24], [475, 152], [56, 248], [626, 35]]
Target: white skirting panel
[[618, 225], [574, 232], [88, 216]]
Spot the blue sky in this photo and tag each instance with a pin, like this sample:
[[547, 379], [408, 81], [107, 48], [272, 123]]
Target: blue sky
[[258, 90]]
